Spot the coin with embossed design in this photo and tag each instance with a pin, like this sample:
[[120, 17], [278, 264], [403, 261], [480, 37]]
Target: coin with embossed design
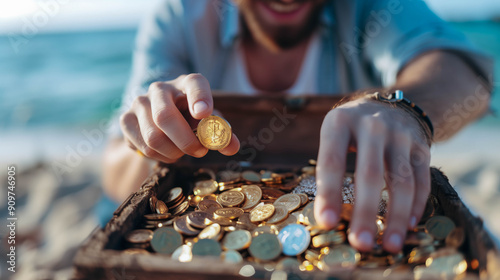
[[237, 240], [261, 213], [290, 201], [231, 198], [214, 132], [253, 194]]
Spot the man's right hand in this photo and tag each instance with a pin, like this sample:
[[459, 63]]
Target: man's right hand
[[160, 124]]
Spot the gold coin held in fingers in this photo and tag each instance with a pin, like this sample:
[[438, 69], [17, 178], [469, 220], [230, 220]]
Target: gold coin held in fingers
[[214, 133]]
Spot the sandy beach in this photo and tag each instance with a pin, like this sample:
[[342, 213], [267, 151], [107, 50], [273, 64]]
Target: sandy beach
[[56, 210]]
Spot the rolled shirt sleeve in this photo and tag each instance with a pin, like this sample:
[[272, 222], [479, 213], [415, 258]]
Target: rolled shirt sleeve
[[393, 32]]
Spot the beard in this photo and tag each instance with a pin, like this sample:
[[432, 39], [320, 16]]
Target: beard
[[278, 38]]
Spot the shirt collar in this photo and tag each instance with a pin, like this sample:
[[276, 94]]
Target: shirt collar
[[230, 24]]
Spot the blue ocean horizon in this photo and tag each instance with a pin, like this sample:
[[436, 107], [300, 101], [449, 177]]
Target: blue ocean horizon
[[71, 79]]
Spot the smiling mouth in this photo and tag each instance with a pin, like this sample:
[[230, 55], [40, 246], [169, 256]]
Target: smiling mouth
[[284, 8]]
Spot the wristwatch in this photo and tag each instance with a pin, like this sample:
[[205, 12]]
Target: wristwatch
[[398, 97]]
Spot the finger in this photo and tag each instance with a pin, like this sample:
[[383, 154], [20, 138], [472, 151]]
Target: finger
[[420, 162], [152, 135], [233, 147], [132, 134], [369, 182], [334, 141], [199, 96], [169, 119], [401, 188]]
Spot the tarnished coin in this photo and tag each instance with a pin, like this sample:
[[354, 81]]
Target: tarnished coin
[[265, 247], [205, 187], [455, 238], [231, 198], [212, 231], [198, 219], [340, 255], [166, 240], [209, 205], [291, 201], [253, 194], [230, 213], [237, 240], [173, 195], [206, 247], [181, 226], [280, 214], [251, 176], [261, 213], [231, 256], [294, 239], [161, 207], [183, 254], [332, 237], [439, 226], [152, 203], [139, 236], [214, 132]]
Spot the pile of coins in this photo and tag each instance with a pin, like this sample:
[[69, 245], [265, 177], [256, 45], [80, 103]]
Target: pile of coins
[[256, 217]]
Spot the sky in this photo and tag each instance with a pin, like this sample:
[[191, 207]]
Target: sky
[[64, 15]]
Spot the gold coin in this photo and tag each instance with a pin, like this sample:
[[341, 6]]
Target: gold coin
[[212, 231], [419, 255], [280, 214], [206, 247], [244, 222], [303, 198], [330, 238], [205, 187], [261, 213], [231, 256], [173, 195], [231, 198], [271, 194], [214, 132], [208, 205], [230, 213], [181, 226], [161, 207], [439, 226], [419, 238], [253, 194], [290, 201], [272, 229], [135, 251], [448, 263], [198, 219], [139, 236], [180, 209], [265, 247], [237, 240], [155, 217], [341, 255], [346, 212], [194, 200], [308, 214], [455, 238]]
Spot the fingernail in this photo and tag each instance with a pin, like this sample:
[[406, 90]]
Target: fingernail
[[413, 222], [395, 240], [199, 107], [329, 217], [364, 239]]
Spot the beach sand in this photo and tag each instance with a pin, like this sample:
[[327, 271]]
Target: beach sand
[[55, 209]]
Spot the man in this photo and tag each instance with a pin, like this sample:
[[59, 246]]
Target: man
[[339, 46]]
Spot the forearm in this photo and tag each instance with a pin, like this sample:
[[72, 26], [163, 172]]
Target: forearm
[[124, 170], [447, 89]]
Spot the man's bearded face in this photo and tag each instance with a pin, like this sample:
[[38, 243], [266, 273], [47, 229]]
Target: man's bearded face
[[280, 24]]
